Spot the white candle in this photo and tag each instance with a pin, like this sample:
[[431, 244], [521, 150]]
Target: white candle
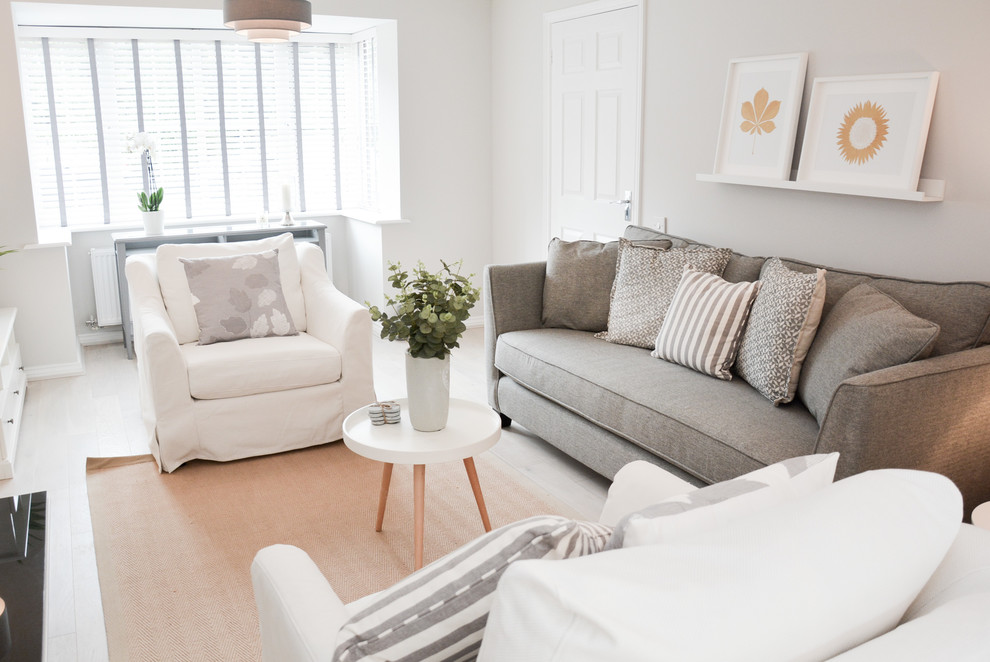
[[287, 197]]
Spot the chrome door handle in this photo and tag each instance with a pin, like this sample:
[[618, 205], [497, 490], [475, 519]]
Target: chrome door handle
[[627, 201]]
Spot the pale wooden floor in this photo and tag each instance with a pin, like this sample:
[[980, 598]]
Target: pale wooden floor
[[97, 414]]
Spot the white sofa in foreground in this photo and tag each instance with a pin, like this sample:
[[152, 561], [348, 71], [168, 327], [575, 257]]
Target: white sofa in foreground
[[253, 396], [874, 567]]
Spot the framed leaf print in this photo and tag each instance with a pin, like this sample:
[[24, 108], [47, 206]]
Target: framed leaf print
[[760, 115], [868, 130]]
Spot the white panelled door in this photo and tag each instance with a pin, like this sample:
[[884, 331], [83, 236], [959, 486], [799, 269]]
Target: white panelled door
[[595, 81]]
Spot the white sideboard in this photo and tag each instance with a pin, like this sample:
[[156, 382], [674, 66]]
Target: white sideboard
[[13, 386]]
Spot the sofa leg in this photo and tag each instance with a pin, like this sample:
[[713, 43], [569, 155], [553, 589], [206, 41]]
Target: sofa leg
[[506, 421]]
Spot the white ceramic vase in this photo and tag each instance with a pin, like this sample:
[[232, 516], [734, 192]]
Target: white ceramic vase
[[154, 222], [428, 386]]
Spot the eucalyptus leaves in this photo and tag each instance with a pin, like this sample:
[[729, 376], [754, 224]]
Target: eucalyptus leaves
[[430, 308]]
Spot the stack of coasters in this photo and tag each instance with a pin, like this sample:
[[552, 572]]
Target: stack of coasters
[[381, 413]]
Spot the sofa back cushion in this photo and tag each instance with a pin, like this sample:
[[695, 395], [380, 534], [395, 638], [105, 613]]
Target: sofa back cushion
[[740, 268], [961, 309], [865, 331], [175, 286], [578, 283], [718, 505]]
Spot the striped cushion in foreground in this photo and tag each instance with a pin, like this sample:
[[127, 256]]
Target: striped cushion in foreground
[[705, 322], [439, 612]]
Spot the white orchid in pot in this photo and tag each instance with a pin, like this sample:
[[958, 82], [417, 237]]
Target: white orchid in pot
[[429, 311], [149, 202]]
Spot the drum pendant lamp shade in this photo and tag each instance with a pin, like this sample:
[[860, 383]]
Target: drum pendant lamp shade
[[267, 21]]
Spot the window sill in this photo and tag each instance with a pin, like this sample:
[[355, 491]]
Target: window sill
[[370, 217], [52, 237]]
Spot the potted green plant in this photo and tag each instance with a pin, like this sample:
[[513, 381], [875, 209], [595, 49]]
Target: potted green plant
[[428, 312], [149, 202]]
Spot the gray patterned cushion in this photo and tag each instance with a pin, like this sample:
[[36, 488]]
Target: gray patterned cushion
[[781, 327], [721, 503], [702, 327], [579, 280], [439, 612], [645, 281], [238, 296], [866, 330]]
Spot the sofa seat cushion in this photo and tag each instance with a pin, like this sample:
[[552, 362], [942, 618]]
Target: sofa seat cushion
[[714, 428], [259, 365]]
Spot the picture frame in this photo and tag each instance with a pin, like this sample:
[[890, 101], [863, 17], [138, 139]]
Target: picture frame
[[760, 116], [868, 131]]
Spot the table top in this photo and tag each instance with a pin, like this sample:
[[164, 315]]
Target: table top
[[472, 428], [273, 228], [981, 516]]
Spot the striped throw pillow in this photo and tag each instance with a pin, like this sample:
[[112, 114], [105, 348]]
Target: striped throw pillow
[[440, 612], [704, 323]]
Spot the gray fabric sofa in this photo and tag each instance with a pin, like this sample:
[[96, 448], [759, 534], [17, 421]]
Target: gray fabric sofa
[[606, 404]]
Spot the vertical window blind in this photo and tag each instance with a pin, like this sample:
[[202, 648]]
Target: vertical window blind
[[234, 121]]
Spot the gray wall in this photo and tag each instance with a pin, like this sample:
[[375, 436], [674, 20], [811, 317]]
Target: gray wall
[[688, 47]]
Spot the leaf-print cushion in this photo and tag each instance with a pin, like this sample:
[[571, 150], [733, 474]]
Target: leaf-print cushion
[[238, 296]]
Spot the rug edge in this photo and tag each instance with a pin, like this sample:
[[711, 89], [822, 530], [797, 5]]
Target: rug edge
[[100, 463]]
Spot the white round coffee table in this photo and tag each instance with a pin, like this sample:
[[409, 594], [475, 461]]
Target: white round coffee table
[[981, 516], [472, 428]]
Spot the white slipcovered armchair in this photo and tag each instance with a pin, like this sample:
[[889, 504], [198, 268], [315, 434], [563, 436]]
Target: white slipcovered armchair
[[249, 397]]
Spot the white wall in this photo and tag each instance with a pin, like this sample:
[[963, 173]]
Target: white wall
[[688, 47], [445, 156]]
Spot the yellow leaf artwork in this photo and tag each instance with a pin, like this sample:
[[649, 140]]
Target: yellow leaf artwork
[[758, 115], [863, 132]]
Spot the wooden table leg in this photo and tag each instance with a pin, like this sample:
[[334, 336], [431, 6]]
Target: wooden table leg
[[476, 487], [419, 485], [383, 495]]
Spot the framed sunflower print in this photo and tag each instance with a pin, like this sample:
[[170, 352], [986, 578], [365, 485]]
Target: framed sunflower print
[[868, 130], [760, 115]]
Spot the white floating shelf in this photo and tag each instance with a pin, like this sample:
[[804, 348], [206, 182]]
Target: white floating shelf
[[930, 190]]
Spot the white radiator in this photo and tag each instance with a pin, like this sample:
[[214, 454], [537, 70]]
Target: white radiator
[[104, 263]]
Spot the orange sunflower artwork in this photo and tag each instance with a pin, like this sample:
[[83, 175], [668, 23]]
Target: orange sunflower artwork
[[758, 115], [863, 132]]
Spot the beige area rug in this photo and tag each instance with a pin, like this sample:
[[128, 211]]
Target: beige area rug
[[174, 550]]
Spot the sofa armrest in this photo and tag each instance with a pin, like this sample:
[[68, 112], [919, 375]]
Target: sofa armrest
[[964, 570], [162, 380], [298, 611], [932, 415], [338, 320], [637, 485], [513, 296]]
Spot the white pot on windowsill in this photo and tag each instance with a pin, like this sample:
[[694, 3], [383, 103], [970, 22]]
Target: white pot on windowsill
[[154, 222]]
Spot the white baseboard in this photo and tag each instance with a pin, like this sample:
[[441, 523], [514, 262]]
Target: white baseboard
[[56, 370], [101, 337]]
